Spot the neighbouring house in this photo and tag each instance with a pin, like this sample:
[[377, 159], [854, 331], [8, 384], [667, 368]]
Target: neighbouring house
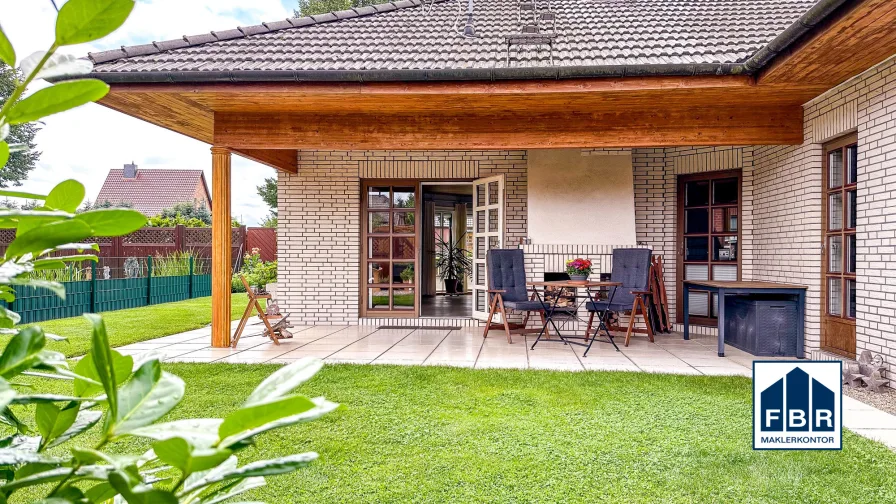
[[739, 139], [152, 190]]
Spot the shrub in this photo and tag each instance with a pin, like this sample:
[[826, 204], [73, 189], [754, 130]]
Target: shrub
[[111, 394], [176, 263], [257, 272]]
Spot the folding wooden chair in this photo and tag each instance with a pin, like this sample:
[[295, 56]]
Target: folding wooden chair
[[508, 292], [632, 268], [275, 331]]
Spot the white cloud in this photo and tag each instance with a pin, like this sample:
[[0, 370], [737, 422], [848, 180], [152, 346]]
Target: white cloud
[[86, 143]]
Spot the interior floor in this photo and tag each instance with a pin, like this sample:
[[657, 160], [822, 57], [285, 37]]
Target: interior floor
[[447, 306]]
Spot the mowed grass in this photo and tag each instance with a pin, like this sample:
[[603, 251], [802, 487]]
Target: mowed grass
[[136, 324], [430, 434]]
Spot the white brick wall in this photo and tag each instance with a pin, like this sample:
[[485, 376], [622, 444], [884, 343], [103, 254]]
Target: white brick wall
[[318, 235], [780, 224], [656, 196]]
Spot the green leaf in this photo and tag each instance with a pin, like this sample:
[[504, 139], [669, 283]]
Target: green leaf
[[57, 98], [148, 396], [101, 492], [45, 398], [82, 21], [135, 491], [63, 65], [21, 194], [7, 417], [48, 236], [179, 453], [22, 352], [200, 432], [84, 421], [322, 407], [8, 318], [232, 490], [4, 153], [98, 473], [271, 467], [7, 53], [103, 361], [26, 220], [283, 381], [56, 287], [65, 259], [66, 196], [44, 264], [121, 364], [112, 221], [7, 393], [53, 421], [250, 417]]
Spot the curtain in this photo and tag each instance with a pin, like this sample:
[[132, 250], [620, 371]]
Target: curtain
[[460, 227], [428, 280]]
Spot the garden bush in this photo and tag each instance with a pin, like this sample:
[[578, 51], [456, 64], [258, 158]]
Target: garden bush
[[117, 396]]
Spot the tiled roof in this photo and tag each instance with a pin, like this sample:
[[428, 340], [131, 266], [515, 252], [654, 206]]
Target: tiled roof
[[406, 36], [152, 190]]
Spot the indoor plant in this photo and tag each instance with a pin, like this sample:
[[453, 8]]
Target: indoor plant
[[453, 263], [578, 269], [407, 274]]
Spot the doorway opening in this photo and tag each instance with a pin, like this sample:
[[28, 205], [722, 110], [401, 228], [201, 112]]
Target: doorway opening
[[447, 248]]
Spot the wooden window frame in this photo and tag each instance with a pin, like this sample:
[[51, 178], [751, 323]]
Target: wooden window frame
[[841, 144], [365, 235], [680, 236]]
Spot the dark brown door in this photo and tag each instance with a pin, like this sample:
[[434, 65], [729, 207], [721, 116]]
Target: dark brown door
[[838, 331], [708, 236], [389, 238]]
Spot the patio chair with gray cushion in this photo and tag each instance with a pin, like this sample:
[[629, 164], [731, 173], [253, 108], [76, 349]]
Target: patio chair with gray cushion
[[507, 291], [631, 267]]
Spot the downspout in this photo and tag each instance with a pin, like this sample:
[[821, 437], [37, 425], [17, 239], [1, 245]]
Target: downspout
[[806, 22]]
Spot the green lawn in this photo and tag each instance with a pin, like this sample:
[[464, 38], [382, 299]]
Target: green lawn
[[136, 324], [426, 434]]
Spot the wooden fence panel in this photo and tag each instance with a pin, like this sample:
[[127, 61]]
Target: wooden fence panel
[[159, 241], [265, 240]]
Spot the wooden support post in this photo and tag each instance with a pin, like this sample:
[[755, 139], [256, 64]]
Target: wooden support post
[[221, 237]]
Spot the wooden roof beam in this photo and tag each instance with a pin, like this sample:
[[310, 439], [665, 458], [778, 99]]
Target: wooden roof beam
[[286, 160], [647, 127]]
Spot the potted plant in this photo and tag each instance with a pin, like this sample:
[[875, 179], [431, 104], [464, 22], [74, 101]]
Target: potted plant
[[407, 275], [453, 263], [578, 269]]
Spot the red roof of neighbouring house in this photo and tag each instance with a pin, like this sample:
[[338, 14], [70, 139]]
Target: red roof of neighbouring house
[[153, 190]]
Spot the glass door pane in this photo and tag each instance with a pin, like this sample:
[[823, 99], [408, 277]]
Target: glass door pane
[[390, 262], [708, 209]]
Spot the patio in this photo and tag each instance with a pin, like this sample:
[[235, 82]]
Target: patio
[[464, 347]]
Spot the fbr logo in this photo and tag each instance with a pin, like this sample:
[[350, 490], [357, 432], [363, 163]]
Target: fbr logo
[[796, 405]]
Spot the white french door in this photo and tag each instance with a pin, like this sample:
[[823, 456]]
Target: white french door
[[488, 233]]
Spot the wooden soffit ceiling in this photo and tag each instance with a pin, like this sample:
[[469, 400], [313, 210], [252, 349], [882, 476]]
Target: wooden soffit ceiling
[[268, 122]]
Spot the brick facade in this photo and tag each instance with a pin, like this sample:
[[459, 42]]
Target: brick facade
[[319, 224], [780, 221]]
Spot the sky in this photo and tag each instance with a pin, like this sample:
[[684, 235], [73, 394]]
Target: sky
[[85, 143]]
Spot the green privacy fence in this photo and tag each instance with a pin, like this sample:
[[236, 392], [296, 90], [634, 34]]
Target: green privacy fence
[[107, 294]]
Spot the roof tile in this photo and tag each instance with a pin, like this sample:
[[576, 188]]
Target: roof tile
[[153, 189], [404, 36]]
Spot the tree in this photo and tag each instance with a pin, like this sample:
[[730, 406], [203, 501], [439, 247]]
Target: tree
[[270, 221], [187, 211], [105, 204], [312, 7], [23, 161], [268, 193]]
